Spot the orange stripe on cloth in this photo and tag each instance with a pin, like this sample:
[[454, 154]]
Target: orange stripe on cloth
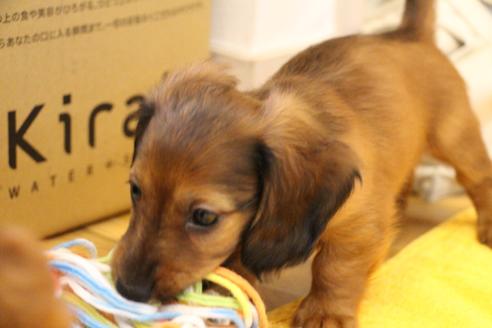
[[249, 290]]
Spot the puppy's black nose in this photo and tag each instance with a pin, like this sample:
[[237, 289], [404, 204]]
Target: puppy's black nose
[[134, 292]]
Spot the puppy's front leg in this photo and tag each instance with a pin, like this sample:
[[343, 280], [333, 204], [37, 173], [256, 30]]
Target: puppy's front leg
[[340, 273]]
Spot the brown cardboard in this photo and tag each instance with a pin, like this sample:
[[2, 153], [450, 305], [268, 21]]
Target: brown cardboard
[[63, 62]]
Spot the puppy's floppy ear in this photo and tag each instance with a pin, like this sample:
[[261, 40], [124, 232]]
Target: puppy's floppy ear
[[145, 113], [305, 177]]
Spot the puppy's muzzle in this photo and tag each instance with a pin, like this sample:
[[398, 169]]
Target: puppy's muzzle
[[140, 292]]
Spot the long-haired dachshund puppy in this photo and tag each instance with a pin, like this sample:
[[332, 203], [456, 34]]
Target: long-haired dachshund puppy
[[313, 161]]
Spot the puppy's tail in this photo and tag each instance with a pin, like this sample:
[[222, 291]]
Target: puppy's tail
[[418, 20]]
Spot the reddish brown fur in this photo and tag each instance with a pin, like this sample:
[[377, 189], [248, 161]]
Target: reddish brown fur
[[313, 160], [26, 286], [180, 159]]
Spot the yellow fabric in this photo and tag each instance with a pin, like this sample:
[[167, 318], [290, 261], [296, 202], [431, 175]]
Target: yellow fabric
[[443, 279]]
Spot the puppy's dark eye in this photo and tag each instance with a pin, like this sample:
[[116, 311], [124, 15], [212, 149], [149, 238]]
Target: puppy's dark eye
[[204, 218], [135, 191]]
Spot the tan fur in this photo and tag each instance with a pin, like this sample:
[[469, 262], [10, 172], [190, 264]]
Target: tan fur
[[315, 160]]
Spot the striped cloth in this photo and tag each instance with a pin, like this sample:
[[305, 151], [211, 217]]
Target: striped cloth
[[84, 283]]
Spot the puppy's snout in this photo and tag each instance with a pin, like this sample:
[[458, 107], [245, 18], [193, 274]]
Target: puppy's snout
[[134, 292]]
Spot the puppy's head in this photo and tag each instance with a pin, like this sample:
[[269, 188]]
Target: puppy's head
[[218, 172]]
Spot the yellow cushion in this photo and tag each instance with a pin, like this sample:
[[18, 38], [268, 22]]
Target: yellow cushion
[[443, 279]]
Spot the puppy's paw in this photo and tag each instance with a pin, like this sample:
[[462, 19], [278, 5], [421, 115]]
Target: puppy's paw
[[484, 227], [315, 313]]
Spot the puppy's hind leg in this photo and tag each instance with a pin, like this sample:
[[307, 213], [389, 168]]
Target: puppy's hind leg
[[457, 140]]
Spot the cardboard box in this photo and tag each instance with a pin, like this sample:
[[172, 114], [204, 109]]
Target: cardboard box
[[71, 76]]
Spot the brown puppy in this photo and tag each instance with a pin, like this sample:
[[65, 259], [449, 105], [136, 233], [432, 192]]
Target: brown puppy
[[26, 286], [312, 161]]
